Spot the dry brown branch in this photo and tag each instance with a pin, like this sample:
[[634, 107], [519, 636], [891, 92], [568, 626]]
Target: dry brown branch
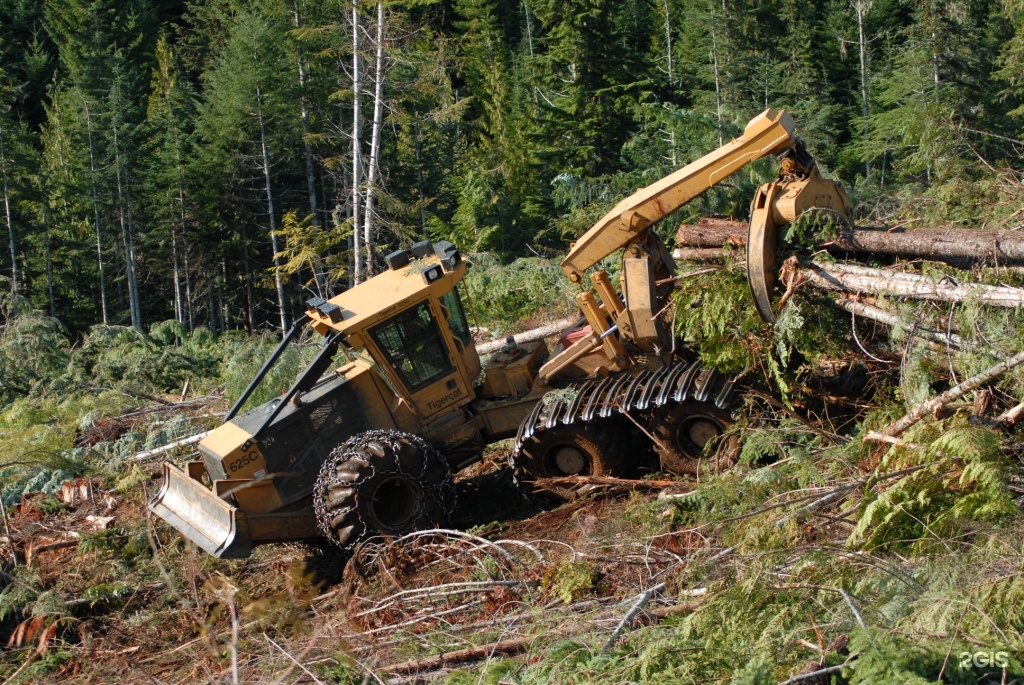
[[432, 663]]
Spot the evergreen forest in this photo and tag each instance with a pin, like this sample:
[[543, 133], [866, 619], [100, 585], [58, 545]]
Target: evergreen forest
[[218, 163]]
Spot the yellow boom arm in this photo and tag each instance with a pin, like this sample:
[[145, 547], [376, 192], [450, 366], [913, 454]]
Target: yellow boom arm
[[768, 133]]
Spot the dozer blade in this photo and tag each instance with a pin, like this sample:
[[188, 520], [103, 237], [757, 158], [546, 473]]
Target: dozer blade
[[219, 528]]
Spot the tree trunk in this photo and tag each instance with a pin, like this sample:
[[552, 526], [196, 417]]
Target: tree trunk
[[48, 255], [958, 244], [357, 243], [96, 210], [668, 40], [862, 7], [859, 279], [714, 63], [7, 213], [184, 234], [378, 120], [319, 275], [271, 219], [127, 237]]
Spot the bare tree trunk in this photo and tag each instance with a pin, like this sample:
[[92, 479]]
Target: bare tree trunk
[[271, 219], [178, 308], [859, 279], [668, 40], [7, 214], [714, 62], [184, 237], [314, 208], [919, 411], [95, 210], [126, 236], [863, 7], [357, 243], [378, 120], [49, 259]]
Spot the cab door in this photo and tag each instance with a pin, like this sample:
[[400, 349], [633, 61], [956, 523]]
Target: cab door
[[420, 357]]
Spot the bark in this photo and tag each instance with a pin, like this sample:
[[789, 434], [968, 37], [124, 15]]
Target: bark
[[375, 130], [958, 244], [862, 7], [48, 256], [7, 213], [357, 242], [184, 234], [668, 40], [928, 407], [714, 63], [705, 254]]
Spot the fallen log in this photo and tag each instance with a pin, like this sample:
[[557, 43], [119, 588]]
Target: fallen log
[[530, 336], [923, 409], [958, 244], [858, 279]]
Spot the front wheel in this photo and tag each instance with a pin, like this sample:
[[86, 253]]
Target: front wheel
[[382, 483]]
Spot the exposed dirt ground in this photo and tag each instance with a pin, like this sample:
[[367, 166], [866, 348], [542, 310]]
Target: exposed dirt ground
[[131, 602]]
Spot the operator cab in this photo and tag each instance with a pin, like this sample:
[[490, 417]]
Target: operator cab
[[410, 323]]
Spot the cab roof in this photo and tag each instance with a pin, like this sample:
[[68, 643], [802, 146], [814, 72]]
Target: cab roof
[[386, 294]]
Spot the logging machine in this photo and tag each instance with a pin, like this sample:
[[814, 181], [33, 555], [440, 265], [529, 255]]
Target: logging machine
[[367, 439]]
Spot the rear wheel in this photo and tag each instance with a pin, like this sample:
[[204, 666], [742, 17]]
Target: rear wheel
[[595, 449], [689, 438], [382, 483]]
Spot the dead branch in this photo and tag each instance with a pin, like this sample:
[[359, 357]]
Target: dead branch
[[929, 406], [882, 316], [641, 601], [432, 663]]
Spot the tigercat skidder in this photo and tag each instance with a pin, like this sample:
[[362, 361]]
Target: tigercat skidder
[[366, 440]]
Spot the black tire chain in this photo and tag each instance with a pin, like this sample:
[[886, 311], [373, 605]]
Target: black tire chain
[[634, 391], [442, 493]]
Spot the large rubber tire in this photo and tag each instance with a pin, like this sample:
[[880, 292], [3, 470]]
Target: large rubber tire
[[594, 449], [382, 483], [682, 431]]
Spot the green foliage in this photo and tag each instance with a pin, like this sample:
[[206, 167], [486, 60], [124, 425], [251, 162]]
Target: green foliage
[[570, 581], [962, 477], [510, 295]]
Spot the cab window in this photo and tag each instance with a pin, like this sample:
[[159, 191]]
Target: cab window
[[457, 316], [414, 348]]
